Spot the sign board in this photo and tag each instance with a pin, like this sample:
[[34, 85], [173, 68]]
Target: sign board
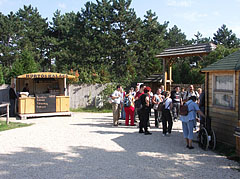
[[45, 103]]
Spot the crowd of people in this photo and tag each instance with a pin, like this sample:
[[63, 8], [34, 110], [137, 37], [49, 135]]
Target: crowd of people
[[166, 105]]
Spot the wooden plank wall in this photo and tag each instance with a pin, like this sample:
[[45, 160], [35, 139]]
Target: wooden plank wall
[[224, 120]]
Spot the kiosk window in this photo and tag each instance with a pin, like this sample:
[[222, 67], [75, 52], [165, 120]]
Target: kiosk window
[[223, 91]]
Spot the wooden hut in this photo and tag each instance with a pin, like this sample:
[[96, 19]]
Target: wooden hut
[[222, 97], [154, 81]]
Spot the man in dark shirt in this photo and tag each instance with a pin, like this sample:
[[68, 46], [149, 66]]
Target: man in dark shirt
[[12, 99], [176, 98], [26, 88], [144, 111]]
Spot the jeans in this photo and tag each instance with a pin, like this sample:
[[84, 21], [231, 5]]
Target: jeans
[[123, 115], [175, 110]]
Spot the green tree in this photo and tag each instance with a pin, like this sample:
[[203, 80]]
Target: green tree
[[175, 37], [226, 37], [32, 33], [24, 64], [2, 81]]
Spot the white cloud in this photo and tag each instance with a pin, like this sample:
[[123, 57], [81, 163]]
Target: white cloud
[[193, 16], [62, 6], [179, 3]]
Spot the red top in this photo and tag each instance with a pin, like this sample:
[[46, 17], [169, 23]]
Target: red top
[[138, 94]]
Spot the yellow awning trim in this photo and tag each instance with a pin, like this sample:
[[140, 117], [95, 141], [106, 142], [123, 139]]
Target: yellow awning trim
[[46, 75]]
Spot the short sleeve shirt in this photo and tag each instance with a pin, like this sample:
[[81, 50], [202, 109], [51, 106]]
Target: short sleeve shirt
[[192, 108], [168, 103], [117, 100]]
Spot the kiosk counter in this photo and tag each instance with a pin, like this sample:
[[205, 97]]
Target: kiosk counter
[[46, 93]]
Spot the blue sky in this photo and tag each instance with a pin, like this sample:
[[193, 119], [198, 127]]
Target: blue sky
[[205, 16]]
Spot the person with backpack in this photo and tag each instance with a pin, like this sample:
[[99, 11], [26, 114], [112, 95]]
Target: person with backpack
[[176, 99], [128, 104], [190, 93], [144, 111], [166, 115], [188, 120]]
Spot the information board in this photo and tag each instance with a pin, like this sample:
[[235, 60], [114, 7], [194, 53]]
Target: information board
[[45, 103]]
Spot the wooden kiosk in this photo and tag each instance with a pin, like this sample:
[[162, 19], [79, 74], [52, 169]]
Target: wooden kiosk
[[47, 94], [223, 97]]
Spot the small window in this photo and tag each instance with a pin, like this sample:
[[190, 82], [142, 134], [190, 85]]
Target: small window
[[223, 91]]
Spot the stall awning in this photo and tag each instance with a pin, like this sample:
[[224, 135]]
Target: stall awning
[[46, 75]]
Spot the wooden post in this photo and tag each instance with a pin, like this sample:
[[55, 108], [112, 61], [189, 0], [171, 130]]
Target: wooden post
[[164, 74], [7, 120], [65, 87]]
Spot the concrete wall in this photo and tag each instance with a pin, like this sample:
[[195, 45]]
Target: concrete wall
[[85, 95]]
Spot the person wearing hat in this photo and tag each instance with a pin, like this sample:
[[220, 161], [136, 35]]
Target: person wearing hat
[[145, 100]]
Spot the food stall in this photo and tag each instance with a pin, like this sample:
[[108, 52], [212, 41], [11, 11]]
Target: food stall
[[46, 94]]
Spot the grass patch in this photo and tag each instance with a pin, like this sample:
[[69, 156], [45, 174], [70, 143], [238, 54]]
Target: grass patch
[[228, 151], [11, 125], [92, 110]]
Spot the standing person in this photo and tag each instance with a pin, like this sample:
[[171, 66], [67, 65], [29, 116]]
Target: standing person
[[121, 102], [138, 104], [151, 104], [183, 92], [162, 90], [157, 98], [201, 103], [129, 108], [176, 99], [190, 93], [144, 111], [116, 99], [133, 92], [188, 121], [12, 99], [166, 115]]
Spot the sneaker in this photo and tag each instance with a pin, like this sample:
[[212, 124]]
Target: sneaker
[[164, 135]]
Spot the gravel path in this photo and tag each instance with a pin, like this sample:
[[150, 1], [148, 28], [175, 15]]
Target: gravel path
[[88, 146]]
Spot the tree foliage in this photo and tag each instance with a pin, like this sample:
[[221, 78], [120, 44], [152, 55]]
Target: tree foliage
[[104, 42]]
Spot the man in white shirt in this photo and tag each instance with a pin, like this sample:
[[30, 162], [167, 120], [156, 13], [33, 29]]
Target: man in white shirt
[[190, 93], [116, 100]]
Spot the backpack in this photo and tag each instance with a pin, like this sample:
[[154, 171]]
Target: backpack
[[126, 102], [184, 109], [161, 106]]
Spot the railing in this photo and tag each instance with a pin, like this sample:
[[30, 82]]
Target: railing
[[7, 117]]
